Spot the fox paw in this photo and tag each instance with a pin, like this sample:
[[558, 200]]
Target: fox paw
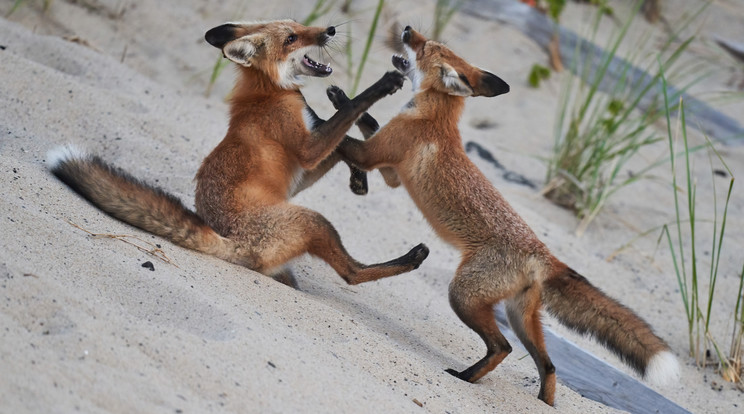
[[358, 182], [453, 373], [337, 96], [418, 254], [391, 82]]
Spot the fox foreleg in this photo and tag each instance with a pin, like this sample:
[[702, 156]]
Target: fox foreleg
[[326, 136], [368, 126]]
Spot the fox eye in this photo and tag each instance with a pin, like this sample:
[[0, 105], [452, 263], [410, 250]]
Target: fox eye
[[291, 39]]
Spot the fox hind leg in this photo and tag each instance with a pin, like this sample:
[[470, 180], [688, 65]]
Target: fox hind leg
[[281, 233], [483, 322], [475, 309], [523, 312]]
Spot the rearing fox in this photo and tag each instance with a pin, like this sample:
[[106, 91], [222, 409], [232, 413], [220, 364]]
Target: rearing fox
[[275, 146], [502, 258]]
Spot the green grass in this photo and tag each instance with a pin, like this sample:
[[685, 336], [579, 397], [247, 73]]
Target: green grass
[[699, 302], [320, 9], [217, 68], [538, 73], [220, 63], [18, 3], [367, 46], [444, 10], [596, 134]]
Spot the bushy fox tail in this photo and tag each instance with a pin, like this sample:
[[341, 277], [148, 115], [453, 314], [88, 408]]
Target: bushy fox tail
[[134, 202], [577, 304]]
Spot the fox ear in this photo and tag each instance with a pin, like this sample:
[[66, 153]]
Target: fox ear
[[454, 84], [490, 85], [242, 50], [220, 35]]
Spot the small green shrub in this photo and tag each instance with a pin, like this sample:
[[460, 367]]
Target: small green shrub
[[698, 303], [537, 74], [596, 134]]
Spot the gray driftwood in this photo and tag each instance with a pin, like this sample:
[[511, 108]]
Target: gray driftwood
[[540, 29]]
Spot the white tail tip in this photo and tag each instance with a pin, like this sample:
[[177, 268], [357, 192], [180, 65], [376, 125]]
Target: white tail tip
[[58, 155], [662, 368]]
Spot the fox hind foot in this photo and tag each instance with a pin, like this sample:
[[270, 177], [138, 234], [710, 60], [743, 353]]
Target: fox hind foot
[[409, 261], [523, 312], [414, 257], [482, 367]]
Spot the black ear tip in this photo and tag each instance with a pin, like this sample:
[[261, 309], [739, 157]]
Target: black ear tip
[[220, 35], [492, 85]]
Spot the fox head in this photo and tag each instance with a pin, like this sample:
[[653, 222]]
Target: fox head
[[431, 65], [276, 48]]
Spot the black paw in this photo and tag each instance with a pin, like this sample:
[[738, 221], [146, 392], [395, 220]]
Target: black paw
[[453, 373], [358, 182], [391, 82], [369, 123], [418, 254], [337, 96]]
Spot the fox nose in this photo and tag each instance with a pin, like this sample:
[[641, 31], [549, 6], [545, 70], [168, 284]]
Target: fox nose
[[331, 31], [406, 36]]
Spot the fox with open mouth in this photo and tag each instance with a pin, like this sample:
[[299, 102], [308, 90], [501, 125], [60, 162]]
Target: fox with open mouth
[[275, 147]]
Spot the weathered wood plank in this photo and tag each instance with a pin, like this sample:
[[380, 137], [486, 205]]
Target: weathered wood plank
[[540, 29], [594, 378]]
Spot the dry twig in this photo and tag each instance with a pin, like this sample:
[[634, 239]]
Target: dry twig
[[153, 250]]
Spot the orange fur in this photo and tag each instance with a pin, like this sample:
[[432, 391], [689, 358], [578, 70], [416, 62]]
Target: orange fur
[[502, 258], [275, 146]]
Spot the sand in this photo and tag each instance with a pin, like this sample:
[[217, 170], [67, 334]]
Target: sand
[[85, 327]]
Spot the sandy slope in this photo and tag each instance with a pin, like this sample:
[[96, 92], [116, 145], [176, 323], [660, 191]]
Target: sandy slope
[[86, 327]]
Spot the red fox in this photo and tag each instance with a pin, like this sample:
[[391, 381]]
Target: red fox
[[502, 258], [275, 146]]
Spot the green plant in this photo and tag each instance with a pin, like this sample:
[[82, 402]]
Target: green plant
[[18, 3], [555, 8], [444, 10], [736, 352], [219, 65], [537, 74], [320, 9], [221, 62], [597, 134], [699, 311], [367, 46]]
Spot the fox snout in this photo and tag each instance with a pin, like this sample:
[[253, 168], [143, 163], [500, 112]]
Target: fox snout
[[412, 38], [406, 35], [329, 33]]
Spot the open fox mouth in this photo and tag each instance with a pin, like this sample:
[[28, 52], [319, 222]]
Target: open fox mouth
[[401, 63], [319, 69]]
